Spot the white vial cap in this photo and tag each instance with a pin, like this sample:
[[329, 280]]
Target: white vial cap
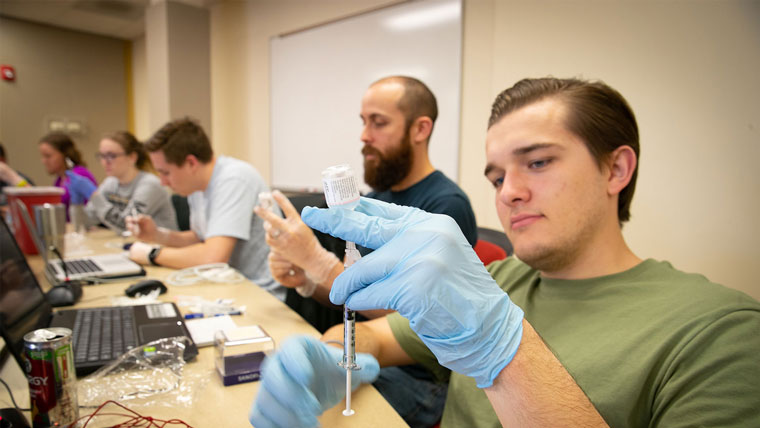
[[341, 188]]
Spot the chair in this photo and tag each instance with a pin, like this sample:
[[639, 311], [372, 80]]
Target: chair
[[182, 209], [488, 251], [303, 199], [492, 245]]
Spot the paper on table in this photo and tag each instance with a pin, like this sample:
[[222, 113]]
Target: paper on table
[[202, 329]]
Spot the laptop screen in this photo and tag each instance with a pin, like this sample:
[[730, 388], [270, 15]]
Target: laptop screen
[[23, 306]]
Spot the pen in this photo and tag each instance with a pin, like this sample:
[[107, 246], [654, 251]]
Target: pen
[[201, 315]]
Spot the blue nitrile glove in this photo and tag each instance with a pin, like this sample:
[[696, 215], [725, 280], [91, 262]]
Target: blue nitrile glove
[[302, 380], [80, 187], [425, 269]]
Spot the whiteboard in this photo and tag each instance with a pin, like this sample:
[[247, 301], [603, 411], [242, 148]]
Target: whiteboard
[[319, 75]]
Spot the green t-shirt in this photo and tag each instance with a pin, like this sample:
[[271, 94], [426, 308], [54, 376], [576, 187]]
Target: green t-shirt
[[651, 346]]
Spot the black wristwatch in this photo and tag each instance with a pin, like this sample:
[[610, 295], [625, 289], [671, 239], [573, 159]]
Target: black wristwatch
[[153, 254]]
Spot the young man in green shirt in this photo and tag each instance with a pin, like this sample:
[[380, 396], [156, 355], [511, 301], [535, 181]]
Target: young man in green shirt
[[575, 331]]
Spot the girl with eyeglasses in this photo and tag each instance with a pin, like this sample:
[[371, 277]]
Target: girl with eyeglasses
[[130, 187]]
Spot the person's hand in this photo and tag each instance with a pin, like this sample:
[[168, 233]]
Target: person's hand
[[141, 226], [6, 172], [285, 272], [139, 252], [8, 175], [144, 228], [425, 269], [293, 239], [80, 187], [302, 380]]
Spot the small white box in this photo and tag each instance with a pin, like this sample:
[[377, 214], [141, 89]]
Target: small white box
[[240, 352]]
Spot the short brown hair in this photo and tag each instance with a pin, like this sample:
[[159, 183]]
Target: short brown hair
[[417, 101], [180, 138], [597, 114]]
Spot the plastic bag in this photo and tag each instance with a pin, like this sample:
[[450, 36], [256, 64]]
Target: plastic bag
[[153, 374]]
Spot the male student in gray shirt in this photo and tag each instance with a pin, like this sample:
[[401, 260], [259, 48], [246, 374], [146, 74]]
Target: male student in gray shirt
[[221, 192]]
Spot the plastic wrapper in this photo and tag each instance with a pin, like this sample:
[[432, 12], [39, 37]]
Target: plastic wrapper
[[154, 374]]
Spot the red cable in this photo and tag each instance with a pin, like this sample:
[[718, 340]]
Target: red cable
[[134, 419]]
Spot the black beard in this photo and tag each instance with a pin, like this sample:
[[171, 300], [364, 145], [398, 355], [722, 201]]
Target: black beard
[[389, 169]]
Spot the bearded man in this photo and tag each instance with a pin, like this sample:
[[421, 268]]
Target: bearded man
[[398, 114]]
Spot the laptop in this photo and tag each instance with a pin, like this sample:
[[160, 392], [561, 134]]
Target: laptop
[[100, 335], [101, 266]]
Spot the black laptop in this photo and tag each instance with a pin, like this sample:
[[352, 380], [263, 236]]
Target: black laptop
[[100, 334]]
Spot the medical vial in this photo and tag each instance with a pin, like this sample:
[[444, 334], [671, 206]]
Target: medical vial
[[266, 201], [341, 187]]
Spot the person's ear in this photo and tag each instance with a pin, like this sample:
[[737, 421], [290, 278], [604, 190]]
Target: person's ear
[[622, 164], [421, 129], [191, 161]]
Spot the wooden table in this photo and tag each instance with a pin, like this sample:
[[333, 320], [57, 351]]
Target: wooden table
[[215, 405]]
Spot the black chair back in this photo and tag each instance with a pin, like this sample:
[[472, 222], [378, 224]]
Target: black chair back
[[182, 209]]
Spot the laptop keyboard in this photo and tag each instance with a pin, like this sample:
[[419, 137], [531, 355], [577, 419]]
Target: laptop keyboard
[[81, 266], [103, 334]]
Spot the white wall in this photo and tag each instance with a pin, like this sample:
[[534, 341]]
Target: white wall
[[688, 68], [140, 100], [229, 81], [240, 47], [305, 86], [177, 38], [690, 71]]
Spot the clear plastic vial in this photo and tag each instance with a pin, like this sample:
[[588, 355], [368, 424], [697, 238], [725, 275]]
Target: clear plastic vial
[[266, 201], [341, 187]]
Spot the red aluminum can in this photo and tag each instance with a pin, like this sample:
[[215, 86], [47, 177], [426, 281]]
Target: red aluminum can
[[52, 379]]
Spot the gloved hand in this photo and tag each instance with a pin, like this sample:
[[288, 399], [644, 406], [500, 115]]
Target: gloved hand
[[302, 380], [425, 269], [292, 239], [80, 188], [139, 252]]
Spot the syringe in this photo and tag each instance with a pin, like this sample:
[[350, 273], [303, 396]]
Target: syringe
[[349, 333], [342, 192]]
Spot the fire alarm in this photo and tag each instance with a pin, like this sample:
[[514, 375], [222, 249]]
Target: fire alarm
[[8, 73]]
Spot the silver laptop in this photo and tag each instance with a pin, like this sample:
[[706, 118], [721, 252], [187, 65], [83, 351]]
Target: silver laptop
[[100, 335], [100, 266], [93, 267]]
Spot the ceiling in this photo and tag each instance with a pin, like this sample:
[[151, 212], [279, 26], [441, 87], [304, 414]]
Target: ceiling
[[123, 19]]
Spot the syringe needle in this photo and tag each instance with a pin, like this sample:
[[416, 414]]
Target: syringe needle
[[349, 333], [349, 411]]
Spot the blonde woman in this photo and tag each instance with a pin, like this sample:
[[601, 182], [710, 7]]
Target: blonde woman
[[130, 187]]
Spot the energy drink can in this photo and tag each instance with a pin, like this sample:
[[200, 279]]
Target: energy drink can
[[52, 380]]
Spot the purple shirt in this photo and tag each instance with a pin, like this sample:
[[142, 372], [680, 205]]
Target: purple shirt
[[63, 182]]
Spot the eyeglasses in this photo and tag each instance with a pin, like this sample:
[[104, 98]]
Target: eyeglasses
[[108, 157]]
